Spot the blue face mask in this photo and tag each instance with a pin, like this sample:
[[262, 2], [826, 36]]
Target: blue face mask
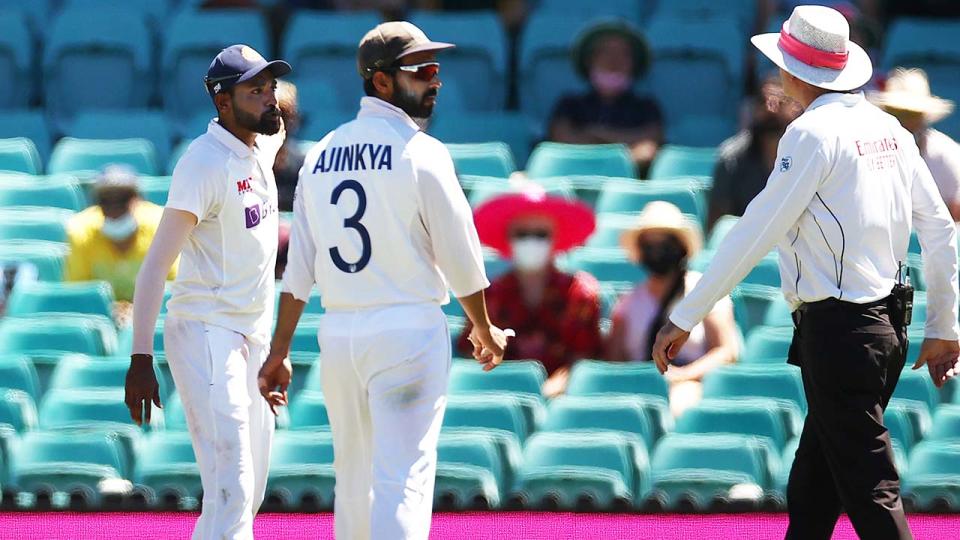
[[121, 228]]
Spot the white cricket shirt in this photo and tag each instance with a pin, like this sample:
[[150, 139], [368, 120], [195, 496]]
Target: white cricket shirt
[[847, 187], [380, 218], [226, 268]]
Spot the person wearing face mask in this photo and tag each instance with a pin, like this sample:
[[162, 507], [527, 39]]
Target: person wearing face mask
[[109, 240], [610, 56], [556, 315], [662, 242], [745, 159]]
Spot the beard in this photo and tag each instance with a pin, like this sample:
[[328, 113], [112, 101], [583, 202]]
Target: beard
[[414, 105], [267, 123]]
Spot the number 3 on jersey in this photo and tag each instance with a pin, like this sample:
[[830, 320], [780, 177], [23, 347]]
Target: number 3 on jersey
[[352, 222]]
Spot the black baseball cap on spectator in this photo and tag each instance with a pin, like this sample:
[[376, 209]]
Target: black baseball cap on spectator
[[239, 63], [388, 42]]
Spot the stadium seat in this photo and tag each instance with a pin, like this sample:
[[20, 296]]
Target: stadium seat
[[461, 127], [933, 480], [744, 11], [31, 124], [101, 408], [917, 385], [16, 58], [674, 161], [301, 471], [557, 159], [309, 411], [34, 223], [518, 376], [90, 50], [756, 417], [917, 413], [140, 123], [779, 314], [897, 422], [311, 378], [498, 411], [316, 95], [89, 156], [568, 471], [604, 264], [81, 372], [94, 297], [83, 333], [90, 464], [305, 336], [54, 191], [18, 373], [625, 415], [155, 188], [470, 473], [155, 10], [325, 43], [478, 64], [701, 468], [719, 230], [751, 303], [482, 188], [316, 127], [595, 377], [545, 70], [304, 363], [766, 272], [193, 38], [630, 198], [19, 154], [174, 418], [483, 159], [18, 411], [946, 423], [766, 343], [701, 131], [773, 381], [609, 229], [166, 471], [42, 257]]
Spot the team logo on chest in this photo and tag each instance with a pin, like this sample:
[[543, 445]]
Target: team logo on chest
[[243, 186]]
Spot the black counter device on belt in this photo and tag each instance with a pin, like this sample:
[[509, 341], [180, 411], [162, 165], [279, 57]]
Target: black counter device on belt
[[902, 299]]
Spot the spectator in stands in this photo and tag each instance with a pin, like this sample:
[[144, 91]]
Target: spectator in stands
[[109, 240], [907, 96], [286, 168], [556, 315], [746, 159], [611, 56], [662, 242]]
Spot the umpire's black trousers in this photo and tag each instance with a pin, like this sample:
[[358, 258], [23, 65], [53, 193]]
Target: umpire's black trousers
[[850, 356]]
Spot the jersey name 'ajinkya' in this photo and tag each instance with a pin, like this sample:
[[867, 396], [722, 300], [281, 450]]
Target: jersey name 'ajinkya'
[[355, 157]]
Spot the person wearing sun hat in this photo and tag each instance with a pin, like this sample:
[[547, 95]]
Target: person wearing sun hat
[[662, 242], [907, 96], [556, 315], [847, 186], [610, 55]]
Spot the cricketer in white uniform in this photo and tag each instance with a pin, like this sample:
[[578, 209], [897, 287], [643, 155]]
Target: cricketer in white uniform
[[382, 227], [221, 217]]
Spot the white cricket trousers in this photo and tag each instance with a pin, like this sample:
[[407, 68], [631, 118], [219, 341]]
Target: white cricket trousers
[[231, 426], [384, 376]]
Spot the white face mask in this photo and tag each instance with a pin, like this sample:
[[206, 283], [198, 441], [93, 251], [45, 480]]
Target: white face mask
[[120, 228], [531, 254], [610, 82]]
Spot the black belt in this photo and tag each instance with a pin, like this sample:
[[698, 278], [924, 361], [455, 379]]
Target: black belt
[[833, 303]]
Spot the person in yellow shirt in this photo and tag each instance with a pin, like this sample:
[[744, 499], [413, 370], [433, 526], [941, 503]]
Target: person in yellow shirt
[[109, 240]]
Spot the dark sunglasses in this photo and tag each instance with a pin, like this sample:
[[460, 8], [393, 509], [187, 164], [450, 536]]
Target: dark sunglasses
[[542, 234], [422, 72]]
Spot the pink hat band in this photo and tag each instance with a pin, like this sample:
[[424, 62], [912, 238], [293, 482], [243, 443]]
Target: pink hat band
[[809, 55]]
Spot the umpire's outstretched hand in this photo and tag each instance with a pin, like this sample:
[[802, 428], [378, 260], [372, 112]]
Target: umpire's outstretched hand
[[941, 357], [141, 388], [274, 378], [670, 339]]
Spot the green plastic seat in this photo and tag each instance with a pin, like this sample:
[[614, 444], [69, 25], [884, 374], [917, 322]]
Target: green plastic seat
[[736, 416], [62, 408], [303, 365], [91, 464], [65, 332], [79, 371], [167, 469], [52, 191], [17, 372], [572, 471], [470, 474], [772, 381], [609, 229], [676, 161], [19, 154], [95, 297], [779, 314], [719, 231], [155, 188], [483, 188], [45, 258], [767, 343], [621, 414], [301, 471], [34, 223], [309, 411], [946, 423], [508, 127], [897, 421], [593, 377], [17, 410], [631, 198], [557, 159], [305, 336], [917, 412], [509, 451], [483, 159], [606, 265], [916, 385], [919, 315], [498, 411], [519, 376], [933, 479], [751, 304], [86, 156]]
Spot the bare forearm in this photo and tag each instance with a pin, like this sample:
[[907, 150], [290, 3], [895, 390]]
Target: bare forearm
[[147, 299], [288, 315], [475, 306]]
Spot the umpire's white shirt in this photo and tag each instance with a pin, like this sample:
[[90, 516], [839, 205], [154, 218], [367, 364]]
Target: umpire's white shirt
[[847, 187], [226, 268], [380, 218]]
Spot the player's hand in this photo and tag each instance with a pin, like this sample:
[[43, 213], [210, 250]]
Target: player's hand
[[274, 378], [141, 388], [670, 339], [941, 357], [489, 344]]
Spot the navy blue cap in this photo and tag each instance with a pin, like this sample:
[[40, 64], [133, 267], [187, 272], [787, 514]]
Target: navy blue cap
[[239, 63]]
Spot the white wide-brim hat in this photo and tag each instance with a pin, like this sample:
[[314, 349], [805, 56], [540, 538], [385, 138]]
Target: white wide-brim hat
[[662, 216], [908, 89], [814, 46]]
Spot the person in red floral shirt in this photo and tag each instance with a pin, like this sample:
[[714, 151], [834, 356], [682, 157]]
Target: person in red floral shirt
[[556, 315]]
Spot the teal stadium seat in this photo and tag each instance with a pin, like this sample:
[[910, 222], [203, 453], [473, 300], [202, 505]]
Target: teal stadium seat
[[155, 188], [174, 418], [609, 229], [301, 471], [129, 124], [917, 412], [772, 381], [626, 415], [483, 159], [470, 473], [631, 10], [678, 161], [89, 156], [768, 344], [318, 126], [312, 376], [478, 64], [604, 264], [192, 39], [596, 378], [719, 230], [18, 411], [87, 49], [305, 336], [498, 411], [743, 11], [483, 187], [166, 471], [37, 13], [309, 412], [779, 314], [34, 223], [630, 198], [78, 372], [19, 154], [18, 373], [44, 258], [28, 123], [95, 297], [16, 57], [99, 408], [933, 481], [917, 386], [518, 376], [751, 305], [459, 127], [736, 416], [54, 191], [946, 423], [701, 131], [177, 152], [315, 95], [897, 422], [323, 43], [545, 70], [558, 159], [64, 332]]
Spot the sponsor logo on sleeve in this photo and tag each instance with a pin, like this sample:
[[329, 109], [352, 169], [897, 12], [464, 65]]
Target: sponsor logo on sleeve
[[785, 163]]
